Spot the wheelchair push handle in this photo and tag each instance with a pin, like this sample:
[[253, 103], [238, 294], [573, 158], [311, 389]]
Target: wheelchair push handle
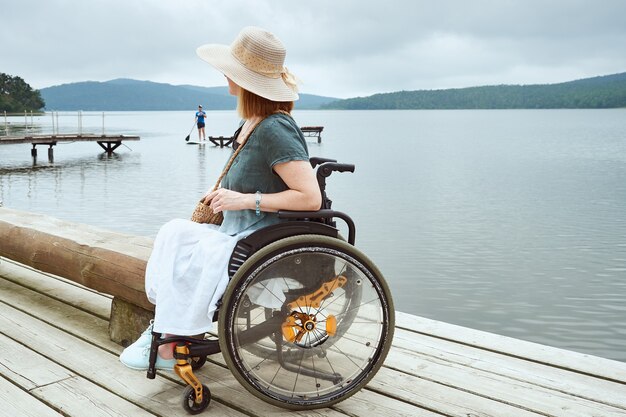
[[316, 160], [324, 171], [329, 167]]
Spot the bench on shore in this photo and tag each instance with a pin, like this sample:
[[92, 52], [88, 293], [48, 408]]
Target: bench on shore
[[105, 261]]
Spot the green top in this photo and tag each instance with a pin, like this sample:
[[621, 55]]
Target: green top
[[275, 140]]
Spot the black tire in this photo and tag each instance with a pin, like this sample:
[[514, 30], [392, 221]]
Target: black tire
[[304, 353], [189, 400], [197, 362]]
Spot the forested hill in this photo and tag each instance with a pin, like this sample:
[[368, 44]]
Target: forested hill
[[16, 95], [127, 94], [599, 92]]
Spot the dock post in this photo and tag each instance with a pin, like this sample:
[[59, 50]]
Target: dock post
[[33, 152], [127, 321], [50, 154]]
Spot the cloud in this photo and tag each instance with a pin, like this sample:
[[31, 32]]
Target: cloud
[[339, 48]]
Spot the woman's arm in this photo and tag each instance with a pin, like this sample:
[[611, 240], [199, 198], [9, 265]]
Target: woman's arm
[[303, 192]]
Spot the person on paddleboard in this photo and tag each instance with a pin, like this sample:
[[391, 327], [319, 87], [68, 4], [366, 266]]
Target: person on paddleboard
[[200, 116]]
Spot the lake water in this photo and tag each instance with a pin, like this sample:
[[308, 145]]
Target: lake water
[[509, 221]]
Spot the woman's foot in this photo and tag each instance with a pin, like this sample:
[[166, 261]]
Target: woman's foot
[[138, 357]]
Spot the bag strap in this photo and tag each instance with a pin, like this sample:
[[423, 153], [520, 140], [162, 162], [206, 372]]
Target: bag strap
[[234, 155]]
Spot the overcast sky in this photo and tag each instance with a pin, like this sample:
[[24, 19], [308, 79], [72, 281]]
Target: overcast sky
[[339, 48]]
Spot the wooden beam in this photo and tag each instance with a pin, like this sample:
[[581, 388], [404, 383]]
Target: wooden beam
[[113, 263]]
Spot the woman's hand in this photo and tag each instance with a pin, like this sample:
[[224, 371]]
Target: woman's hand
[[223, 199]]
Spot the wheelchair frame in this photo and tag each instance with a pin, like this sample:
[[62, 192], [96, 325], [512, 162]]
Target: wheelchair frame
[[191, 353]]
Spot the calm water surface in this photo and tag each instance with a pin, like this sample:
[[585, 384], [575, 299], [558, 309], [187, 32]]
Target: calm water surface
[[512, 222]]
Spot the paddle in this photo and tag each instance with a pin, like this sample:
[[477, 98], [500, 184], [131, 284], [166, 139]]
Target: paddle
[[187, 138]]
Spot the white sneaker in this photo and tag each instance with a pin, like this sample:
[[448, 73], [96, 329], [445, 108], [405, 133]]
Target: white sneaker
[[145, 339], [138, 357]]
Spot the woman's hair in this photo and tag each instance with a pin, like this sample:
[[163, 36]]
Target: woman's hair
[[249, 105]]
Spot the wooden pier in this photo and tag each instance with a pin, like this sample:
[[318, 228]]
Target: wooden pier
[[221, 141], [109, 143], [313, 131], [56, 358]]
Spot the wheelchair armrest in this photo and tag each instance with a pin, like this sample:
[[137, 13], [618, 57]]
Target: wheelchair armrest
[[322, 214]]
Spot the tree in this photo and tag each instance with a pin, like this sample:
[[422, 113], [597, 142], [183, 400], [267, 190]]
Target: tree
[[17, 96]]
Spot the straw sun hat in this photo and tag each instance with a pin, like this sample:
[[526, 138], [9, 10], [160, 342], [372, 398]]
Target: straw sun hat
[[255, 62]]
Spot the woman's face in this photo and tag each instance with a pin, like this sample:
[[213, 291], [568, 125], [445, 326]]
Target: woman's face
[[233, 89]]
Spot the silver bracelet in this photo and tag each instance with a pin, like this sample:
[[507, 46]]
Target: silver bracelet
[[258, 202]]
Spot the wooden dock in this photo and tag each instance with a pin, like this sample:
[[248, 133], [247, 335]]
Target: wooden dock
[[313, 131], [221, 141], [56, 359], [109, 143]]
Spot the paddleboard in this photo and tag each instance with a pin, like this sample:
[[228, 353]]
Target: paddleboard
[[193, 142]]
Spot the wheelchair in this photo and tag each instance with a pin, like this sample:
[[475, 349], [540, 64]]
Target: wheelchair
[[306, 319]]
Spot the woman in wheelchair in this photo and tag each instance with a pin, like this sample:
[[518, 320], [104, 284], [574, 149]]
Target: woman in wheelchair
[[186, 273], [305, 319]]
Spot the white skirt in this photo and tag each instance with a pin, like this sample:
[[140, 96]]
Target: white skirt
[[186, 275]]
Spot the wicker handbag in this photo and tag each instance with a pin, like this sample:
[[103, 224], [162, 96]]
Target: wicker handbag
[[203, 213]]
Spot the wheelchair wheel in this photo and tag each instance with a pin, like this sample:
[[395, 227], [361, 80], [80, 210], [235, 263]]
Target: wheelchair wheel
[[306, 322], [197, 362], [189, 400]]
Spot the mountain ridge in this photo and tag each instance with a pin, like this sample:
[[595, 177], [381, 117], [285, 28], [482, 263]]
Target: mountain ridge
[[605, 91], [125, 94]]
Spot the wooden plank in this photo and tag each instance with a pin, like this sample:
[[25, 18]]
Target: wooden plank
[[443, 399], [59, 288], [56, 313], [497, 387], [78, 397], [15, 402], [159, 396], [367, 404], [558, 379], [57, 387], [26, 368], [574, 361]]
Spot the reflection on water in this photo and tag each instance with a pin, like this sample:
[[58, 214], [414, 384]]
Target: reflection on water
[[507, 221]]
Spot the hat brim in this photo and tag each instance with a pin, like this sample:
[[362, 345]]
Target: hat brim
[[220, 57]]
